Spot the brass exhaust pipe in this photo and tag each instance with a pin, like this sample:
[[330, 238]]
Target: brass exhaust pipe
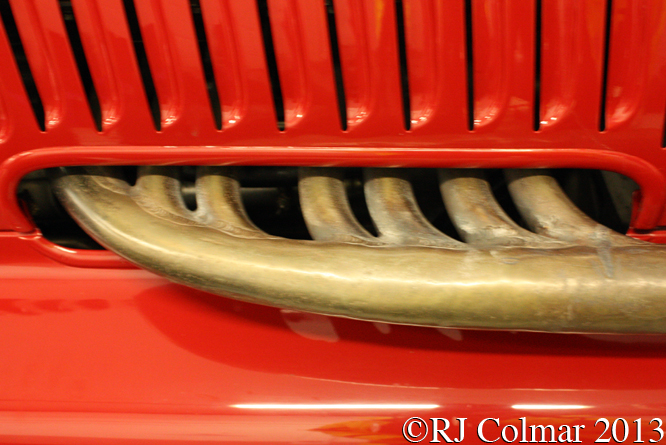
[[566, 275]]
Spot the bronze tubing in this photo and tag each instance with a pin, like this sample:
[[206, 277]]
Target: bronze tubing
[[589, 282]]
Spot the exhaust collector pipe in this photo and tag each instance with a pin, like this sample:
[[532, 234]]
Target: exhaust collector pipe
[[568, 274]]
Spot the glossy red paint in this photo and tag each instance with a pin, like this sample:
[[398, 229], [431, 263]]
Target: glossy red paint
[[94, 350], [92, 354], [655, 236], [437, 78], [503, 84], [573, 46]]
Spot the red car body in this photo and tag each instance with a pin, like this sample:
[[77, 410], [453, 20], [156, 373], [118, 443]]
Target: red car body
[[94, 350]]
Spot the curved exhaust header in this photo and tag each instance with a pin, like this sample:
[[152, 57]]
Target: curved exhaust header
[[568, 274]]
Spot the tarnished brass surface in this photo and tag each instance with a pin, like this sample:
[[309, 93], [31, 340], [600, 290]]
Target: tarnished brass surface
[[558, 279], [477, 215]]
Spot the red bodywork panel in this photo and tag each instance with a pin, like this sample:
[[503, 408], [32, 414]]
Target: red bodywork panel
[[123, 355], [96, 351]]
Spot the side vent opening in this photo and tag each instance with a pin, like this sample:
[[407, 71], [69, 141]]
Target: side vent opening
[[469, 59], [271, 200], [402, 56], [22, 63], [271, 62], [337, 64], [204, 53], [537, 65], [81, 63], [604, 80], [142, 61]]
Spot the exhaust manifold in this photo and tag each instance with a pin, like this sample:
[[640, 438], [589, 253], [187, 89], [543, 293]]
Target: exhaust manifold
[[566, 274]]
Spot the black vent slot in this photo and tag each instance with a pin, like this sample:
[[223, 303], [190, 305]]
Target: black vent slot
[[604, 80], [81, 62], [469, 59], [402, 55], [271, 62], [22, 63], [337, 64], [537, 66], [209, 74], [142, 61]]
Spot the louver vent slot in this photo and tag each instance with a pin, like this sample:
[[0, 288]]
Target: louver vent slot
[[537, 66], [337, 64], [271, 62], [469, 64], [81, 62], [22, 63], [402, 57], [604, 81], [206, 63], [142, 61]]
